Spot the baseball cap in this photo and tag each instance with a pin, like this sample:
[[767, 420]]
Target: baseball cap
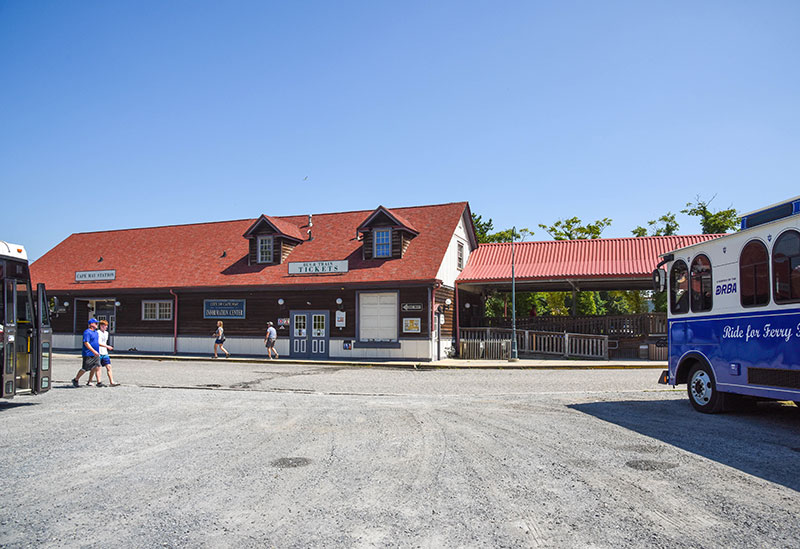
[[92, 321]]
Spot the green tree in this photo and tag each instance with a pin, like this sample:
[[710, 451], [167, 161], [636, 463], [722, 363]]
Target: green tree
[[482, 228], [572, 229], [717, 222], [666, 225]]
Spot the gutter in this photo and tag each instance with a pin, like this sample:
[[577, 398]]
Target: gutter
[[175, 327]]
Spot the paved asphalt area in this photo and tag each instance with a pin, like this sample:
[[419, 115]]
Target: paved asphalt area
[[223, 454]]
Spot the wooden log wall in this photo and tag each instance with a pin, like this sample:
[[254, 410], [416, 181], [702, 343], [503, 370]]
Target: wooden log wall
[[260, 307]]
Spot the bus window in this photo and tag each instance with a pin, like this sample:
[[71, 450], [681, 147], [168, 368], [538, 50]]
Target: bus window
[[702, 294], [786, 266], [754, 274], [679, 288], [24, 304]]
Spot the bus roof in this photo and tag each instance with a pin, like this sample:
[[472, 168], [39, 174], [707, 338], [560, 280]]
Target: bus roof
[[13, 251], [781, 203]]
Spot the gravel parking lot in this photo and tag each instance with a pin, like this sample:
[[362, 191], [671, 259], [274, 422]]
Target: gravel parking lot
[[218, 454]]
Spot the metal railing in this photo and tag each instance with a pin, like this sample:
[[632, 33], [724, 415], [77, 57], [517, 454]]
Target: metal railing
[[495, 344]]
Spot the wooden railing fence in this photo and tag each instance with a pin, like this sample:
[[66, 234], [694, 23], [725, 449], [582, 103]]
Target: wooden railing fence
[[640, 325], [495, 344]]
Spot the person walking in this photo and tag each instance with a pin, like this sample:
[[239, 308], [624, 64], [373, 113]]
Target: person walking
[[269, 340], [219, 334], [90, 353], [105, 360]]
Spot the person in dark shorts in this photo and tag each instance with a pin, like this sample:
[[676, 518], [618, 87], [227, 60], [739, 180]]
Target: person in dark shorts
[[90, 352], [105, 360], [219, 339], [269, 340]]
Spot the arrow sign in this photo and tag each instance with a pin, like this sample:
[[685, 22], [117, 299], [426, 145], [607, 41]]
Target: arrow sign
[[411, 307]]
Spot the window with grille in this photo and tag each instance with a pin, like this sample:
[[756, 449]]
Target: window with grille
[[383, 243], [156, 310], [265, 249]]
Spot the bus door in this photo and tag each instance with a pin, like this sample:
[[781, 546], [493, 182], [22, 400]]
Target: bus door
[[45, 355], [9, 337], [26, 343]]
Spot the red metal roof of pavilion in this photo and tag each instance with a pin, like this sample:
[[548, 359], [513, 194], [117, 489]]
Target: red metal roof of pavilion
[[603, 258], [215, 254]]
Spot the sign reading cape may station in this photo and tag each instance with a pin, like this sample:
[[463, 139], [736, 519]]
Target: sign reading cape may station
[[94, 276], [318, 267], [224, 308]]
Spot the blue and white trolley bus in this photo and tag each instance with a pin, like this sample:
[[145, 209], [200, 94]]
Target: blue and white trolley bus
[[734, 312]]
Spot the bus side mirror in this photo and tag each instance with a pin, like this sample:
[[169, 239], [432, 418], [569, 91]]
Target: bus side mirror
[[659, 280]]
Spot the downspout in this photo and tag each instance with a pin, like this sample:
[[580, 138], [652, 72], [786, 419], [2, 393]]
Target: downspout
[[175, 328]]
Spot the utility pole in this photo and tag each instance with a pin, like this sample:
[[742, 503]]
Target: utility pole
[[514, 354]]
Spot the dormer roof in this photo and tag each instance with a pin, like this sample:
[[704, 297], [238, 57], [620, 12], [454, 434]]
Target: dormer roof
[[279, 226], [396, 220]]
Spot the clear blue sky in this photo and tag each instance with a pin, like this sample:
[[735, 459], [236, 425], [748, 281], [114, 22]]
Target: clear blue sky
[[129, 114]]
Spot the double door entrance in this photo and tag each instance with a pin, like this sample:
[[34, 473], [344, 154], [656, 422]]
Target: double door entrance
[[309, 334]]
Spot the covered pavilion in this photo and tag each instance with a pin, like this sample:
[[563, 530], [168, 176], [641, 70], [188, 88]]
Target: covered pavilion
[[568, 266]]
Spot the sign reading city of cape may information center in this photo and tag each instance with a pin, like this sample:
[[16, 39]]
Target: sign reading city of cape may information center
[[318, 267], [94, 276], [224, 308]]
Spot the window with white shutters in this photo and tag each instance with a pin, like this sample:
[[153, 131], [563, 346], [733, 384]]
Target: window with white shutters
[[377, 316]]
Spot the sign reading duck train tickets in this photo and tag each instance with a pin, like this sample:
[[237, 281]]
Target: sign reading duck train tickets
[[318, 267]]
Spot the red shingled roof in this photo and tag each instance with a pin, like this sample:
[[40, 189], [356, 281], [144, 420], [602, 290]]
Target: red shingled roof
[[573, 259], [215, 254]]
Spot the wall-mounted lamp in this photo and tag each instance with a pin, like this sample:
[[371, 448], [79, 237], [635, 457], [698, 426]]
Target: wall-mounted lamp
[[467, 305], [280, 301], [338, 300], [448, 302], [117, 304]]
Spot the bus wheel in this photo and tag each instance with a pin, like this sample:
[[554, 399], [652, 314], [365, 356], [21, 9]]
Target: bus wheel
[[702, 390]]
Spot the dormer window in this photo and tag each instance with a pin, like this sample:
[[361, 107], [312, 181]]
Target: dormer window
[[383, 243], [265, 249], [385, 235]]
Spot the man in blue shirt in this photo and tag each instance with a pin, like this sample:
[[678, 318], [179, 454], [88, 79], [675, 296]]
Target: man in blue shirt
[[91, 351]]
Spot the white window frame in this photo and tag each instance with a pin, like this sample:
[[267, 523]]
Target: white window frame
[[163, 309], [375, 234], [259, 257], [460, 255]]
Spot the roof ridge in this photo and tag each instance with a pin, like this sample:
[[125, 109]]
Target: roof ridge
[[601, 239]]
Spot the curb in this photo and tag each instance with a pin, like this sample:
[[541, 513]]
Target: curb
[[556, 365]]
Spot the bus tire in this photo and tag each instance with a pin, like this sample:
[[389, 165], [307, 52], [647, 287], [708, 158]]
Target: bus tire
[[702, 389]]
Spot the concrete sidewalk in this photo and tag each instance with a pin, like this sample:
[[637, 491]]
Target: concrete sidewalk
[[449, 363]]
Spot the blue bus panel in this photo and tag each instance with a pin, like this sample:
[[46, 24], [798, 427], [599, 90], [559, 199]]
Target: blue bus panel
[[754, 353]]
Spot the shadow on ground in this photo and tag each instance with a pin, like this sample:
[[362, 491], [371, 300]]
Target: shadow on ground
[[764, 442], [9, 405]]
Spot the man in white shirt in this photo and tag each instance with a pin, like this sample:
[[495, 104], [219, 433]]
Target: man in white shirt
[[269, 340]]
